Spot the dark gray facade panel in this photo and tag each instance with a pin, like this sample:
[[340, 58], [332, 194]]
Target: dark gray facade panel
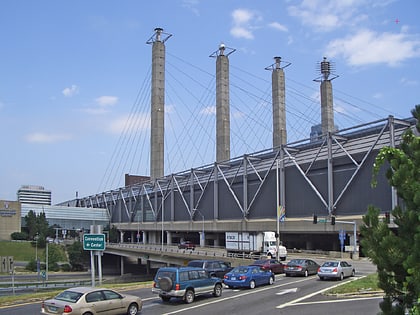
[[301, 200], [264, 205], [361, 194], [228, 207]]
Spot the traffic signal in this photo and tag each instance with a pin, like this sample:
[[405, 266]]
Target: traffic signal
[[315, 221], [332, 220]]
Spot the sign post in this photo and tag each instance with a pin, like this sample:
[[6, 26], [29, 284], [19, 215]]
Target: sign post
[[95, 243]]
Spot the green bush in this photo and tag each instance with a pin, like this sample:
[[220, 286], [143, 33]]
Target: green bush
[[19, 236]]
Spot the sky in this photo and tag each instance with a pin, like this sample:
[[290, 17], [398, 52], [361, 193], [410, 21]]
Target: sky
[[75, 80]]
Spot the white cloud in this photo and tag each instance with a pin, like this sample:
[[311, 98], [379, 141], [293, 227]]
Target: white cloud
[[71, 91], [106, 101], [209, 110], [403, 81], [40, 137], [368, 47], [328, 15], [278, 26], [378, 95], [191, 5], [127, 124], [244, 23]]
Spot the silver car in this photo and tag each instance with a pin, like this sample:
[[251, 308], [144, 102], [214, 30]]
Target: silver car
[[336, 269], [88, 300]]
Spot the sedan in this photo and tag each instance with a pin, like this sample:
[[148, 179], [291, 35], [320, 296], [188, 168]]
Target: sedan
[[90, 300], [248, 277], [335, 270], [270, 264], [301, 267], [186, 245]]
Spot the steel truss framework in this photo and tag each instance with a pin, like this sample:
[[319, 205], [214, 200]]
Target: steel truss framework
[[329, 176]]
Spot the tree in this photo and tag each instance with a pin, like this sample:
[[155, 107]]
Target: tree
[[396, 251], [78, 257]]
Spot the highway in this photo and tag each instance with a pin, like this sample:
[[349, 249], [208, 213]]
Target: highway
[[288, 295]]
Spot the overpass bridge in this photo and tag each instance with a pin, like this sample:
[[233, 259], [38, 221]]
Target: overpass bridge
[[329, 177]]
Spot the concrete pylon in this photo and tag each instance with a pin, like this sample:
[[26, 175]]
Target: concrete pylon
[[157, 113], [222, 103], [278, 101], [327, 103]]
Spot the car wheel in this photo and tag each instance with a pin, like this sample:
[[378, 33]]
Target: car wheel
[[189, 296], [88, 313], [353, 273], [165, 298], [133, 309], [252, 284], [306, 273], [287, 275], [321, 278], [217, 290], [271, 281], [165, 283], [341, 276]]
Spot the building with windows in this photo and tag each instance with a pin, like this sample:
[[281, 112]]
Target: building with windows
[[10, 218], [31, 194]]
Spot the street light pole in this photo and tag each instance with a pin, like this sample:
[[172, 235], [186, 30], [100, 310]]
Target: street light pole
[[277, 211]]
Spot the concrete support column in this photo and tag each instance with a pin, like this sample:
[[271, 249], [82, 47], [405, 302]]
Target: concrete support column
[[122, 265], [168, 237], [121, 236], [144, 237], [202, 239]]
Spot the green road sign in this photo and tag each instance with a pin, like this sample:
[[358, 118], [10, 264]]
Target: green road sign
[[94, 241]]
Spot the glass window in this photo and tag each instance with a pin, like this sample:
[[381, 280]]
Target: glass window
[[111, 295], [183, 276], [94, 297]]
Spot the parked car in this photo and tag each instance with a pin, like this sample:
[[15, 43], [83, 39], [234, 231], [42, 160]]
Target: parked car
[[270, 264], [336, 269], [217, 268], [248, 276], [88, 300], [185, 283], [186, 245], [301, 267]]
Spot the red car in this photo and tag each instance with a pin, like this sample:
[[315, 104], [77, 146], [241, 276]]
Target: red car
[[186, 245], [270, 264]]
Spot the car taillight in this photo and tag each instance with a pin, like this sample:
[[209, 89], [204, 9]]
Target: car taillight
[[154, 284], [319, 269], [67, 309], [242, 277], [335, 270], [42, 305], [225, 277], [299, 267], [177, 286]]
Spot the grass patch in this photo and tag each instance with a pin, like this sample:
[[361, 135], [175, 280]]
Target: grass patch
[[363, 285], [20, 250], [49, 293]]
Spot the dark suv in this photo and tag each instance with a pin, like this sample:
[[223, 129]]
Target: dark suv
[[217, 268], [185, 283]]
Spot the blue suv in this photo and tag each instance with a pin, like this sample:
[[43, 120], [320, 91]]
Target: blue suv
[[185, 283]]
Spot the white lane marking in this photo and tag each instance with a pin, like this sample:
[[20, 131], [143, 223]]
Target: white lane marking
[[312, 294], [340, 301], [282, 292], [237, 296]]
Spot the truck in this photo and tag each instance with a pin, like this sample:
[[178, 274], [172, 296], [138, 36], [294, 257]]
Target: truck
[[254, 243]]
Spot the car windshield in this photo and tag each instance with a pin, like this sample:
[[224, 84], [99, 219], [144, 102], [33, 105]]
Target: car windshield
[[296, 262], [240, 270], [195, 264], [330, 264], [69, 296], [163, 273], [260, 262]]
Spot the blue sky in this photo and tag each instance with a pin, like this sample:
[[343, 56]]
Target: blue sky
[[75, 80]]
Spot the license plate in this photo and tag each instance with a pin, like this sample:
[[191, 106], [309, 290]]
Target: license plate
[[233, 278], [52, 308]]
